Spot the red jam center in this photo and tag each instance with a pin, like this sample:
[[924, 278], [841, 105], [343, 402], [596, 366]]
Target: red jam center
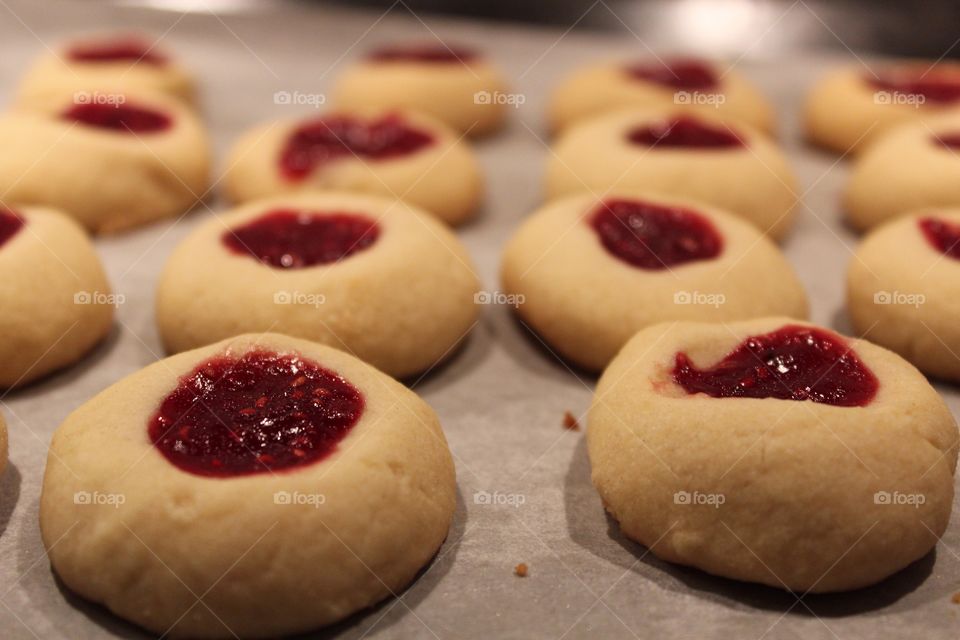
[[942, 235], [118, 117], [685, 132], [320, 141], [940, 87], [689, 75], [429, 53], [10, 224], [948, 140], [120, 50], [654, 237], [289, 239], [257, 413], [791, 363]]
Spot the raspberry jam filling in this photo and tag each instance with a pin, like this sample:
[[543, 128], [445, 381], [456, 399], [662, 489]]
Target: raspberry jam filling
[[118, 117], [942, 235], [934, 86], [791, 363], [688, 75], [651, 236], [10, 225], [948, 140], [290, 239], [320, 141], [684, 132], [258, 413], [422, 53], [119, 50]]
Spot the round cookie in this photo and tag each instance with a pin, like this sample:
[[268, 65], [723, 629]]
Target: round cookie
[[55, 296], [912, 167], [304, 486], [773, 451], [850, 108], [590, 273], [128, 62], [729, 166], [689, 84], [403, 155], [903, 290], [369, 275], [118, 160], [455, 85]]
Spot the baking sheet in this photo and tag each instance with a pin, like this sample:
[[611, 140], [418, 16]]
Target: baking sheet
[[501, 400]]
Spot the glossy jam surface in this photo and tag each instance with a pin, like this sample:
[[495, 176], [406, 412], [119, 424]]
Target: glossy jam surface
[[428, 53], [10, 225], [685, 132], [948, 140], [791, 363], [651, 236], [292, 239], [942, 235], [320, 141], [124, 118], [119, 50], [688, 75], [941, 86], [258, 413]]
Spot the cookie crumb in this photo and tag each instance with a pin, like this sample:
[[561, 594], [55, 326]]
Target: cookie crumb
[[569, 422], [520, 570], [956, 598]]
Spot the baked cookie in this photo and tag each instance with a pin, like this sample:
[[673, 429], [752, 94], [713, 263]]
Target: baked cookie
[[398, 154], [257, 487], [590, 273], [774, 452], [850, 108], [689, 84], [369, 275], [912, 167], [903, 290], [112, 162], [733, 167], [454, 84], [55, 296], [128, 62]]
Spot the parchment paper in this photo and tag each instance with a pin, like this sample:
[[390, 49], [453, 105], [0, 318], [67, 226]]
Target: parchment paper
[[501, 400]]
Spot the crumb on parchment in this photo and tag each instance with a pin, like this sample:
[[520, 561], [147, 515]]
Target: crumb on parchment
[[569, 422], [521, 570], [956, 598]]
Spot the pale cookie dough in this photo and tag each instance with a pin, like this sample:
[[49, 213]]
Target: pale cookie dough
[[128, 62], [694, 85], [793, 493], [401, 301], [586, 302], [403, 155], [272, 545], [55, 297], [912, 167], [903, 291], [458, 86], [752, 179], [850, 108], [118, 160]]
